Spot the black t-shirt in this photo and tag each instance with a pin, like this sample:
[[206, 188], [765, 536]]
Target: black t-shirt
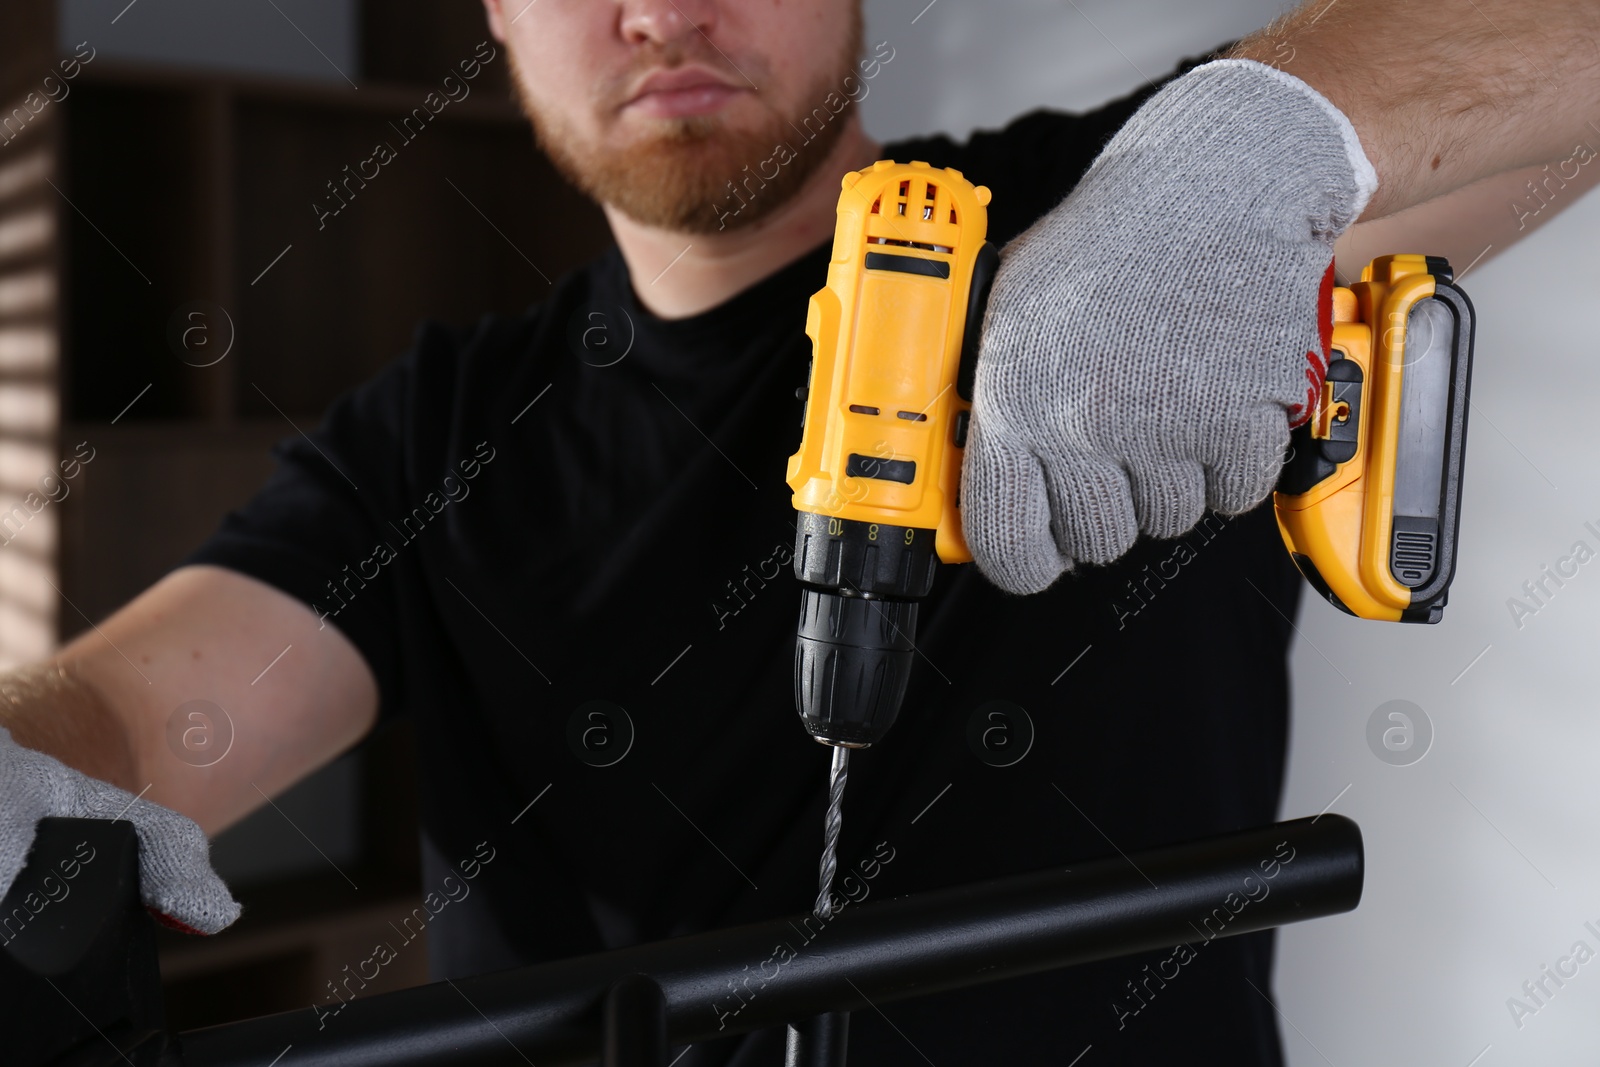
[[583, 508]]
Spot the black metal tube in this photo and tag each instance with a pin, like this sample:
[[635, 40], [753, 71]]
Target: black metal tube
[[820, 1041], [635, 1024], [765, 974]]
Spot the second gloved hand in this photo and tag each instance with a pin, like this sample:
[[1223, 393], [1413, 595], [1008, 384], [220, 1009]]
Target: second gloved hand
[[176, 881], [1150, 341]]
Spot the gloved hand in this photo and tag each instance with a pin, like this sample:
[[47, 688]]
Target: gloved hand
[[1150, 341], [175, 876]]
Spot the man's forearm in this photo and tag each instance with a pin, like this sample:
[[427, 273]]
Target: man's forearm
[[46, 707], [1442, 95]]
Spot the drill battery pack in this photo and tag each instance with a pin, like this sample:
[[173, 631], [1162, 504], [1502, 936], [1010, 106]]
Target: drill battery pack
[[1369, 501]]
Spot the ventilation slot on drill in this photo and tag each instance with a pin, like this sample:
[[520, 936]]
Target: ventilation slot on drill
[[913, 416], [862, 409], [909, 244]]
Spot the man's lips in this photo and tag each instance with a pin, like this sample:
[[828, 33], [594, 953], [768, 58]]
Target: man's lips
[[685, 91]]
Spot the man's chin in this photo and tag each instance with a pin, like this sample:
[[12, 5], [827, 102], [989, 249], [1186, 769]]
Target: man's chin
[[697, 178]]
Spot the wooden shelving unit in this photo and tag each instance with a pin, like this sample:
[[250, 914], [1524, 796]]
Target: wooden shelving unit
[[187, 192], [177, 187], [467, 217]]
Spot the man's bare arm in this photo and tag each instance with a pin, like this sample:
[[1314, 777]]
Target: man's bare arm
[[296, 692], [1443, 96], [1471, 226]]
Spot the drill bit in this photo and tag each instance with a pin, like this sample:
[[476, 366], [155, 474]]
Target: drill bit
[[830, 833]]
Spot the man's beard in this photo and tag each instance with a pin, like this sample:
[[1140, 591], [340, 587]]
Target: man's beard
[[690, 176]]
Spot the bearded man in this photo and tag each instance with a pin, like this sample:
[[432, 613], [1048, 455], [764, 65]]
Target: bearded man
[[1155, 329]]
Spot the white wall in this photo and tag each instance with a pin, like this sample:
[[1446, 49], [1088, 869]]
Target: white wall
[[1481, 865], [961, 65]]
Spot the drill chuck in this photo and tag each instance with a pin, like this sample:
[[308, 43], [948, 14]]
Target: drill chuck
[[861, 583], [852, 660]]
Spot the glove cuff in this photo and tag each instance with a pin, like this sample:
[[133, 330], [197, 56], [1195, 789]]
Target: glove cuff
[[1366, 176]]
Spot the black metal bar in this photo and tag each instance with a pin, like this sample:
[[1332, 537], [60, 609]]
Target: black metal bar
[[765, 974], [820, 1041], [79, 982], [635, 1024]]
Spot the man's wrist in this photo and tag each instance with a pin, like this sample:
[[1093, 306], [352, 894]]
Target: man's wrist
[[50, 708]]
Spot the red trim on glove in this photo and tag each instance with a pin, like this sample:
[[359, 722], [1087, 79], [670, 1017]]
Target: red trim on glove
[[172, 924], [1317, 363]]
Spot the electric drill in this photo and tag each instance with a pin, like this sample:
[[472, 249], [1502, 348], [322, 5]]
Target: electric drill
[[1368, 502]]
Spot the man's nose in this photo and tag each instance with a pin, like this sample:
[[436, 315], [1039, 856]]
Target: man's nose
[[664, 22]]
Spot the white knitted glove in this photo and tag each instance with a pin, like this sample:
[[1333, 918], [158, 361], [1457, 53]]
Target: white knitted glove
[[175, 876], [1150, 341]]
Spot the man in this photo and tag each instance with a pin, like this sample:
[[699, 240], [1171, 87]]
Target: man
[[511, 533]]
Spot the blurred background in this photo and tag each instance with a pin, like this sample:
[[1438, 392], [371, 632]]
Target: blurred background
[[171, 302]]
